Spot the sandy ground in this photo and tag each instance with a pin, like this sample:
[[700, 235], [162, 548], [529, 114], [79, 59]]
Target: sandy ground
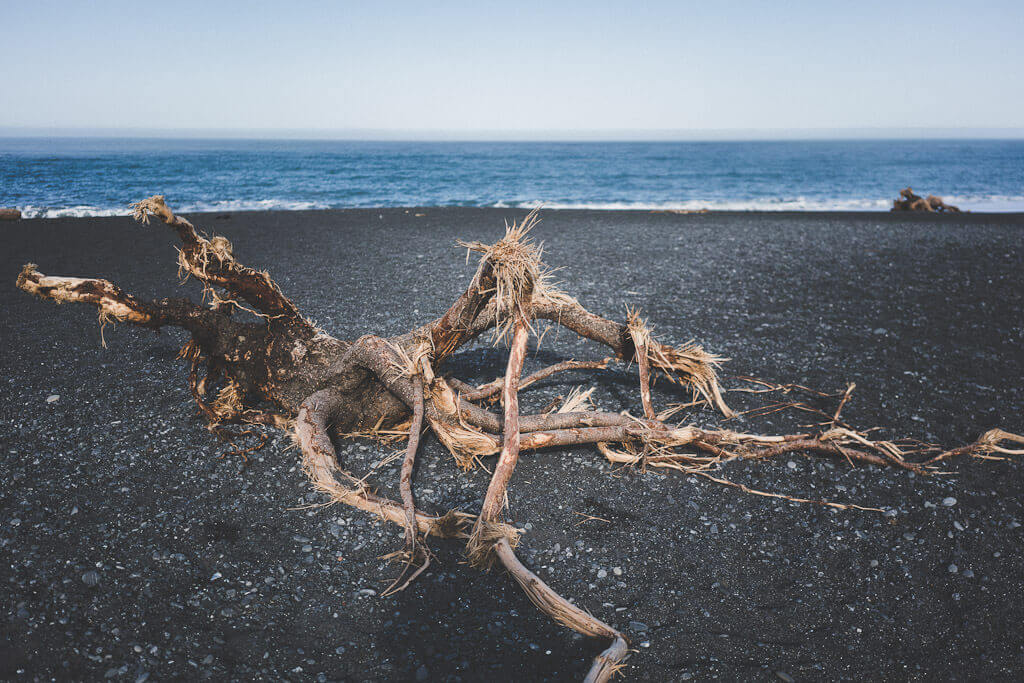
[[131, 550]]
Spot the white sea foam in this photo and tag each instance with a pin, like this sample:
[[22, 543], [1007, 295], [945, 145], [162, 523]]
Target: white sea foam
[[86, 210], [252, 205], [80, 211], [993, 203]]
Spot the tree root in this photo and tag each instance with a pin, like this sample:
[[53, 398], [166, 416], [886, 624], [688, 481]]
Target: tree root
[[908, 201], [284, 372], [494, 499], [491, 389], [413, 552], [213, 263], [642, 343], [319, 461], [564, 612]]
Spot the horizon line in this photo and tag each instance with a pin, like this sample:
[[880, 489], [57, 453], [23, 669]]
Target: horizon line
[[512, 135]]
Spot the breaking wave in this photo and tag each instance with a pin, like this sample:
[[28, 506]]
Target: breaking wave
[[995, 203], [987, 203], [87, 211]]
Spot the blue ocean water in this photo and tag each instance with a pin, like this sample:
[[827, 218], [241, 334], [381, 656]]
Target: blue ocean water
[[97, 176]]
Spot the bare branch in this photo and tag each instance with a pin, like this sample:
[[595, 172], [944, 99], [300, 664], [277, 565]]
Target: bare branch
[[494, 388], [212, 262]]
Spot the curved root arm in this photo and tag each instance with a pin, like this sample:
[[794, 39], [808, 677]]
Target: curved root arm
[[413, 552], [212, 262], [494, 500], [481, 543], [566, 613], [487, 542], [320, 464], [405, 481], [494, 388]]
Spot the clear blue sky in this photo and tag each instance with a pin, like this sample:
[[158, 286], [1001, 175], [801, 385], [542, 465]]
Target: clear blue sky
[[514, 66]]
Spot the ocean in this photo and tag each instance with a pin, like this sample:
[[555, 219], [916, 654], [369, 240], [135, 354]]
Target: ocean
[[52, 177]]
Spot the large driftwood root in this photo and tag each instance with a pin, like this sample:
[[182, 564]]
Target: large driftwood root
[[286, 373], [908, 201]]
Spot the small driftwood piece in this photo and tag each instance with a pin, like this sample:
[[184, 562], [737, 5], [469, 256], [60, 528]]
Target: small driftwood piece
[[284, 372]]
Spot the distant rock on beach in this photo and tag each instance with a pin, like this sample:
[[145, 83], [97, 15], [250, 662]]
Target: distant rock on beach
[[10, 214]]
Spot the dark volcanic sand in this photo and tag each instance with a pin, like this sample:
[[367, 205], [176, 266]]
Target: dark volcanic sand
[[118, 484]]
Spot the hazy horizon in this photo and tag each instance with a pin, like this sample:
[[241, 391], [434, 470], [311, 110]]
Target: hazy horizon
[[575, 135]]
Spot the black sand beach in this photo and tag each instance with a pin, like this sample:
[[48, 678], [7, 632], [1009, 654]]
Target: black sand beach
[[130, 549]]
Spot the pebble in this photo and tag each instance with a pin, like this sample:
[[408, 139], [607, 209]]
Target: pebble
[[638, 626], [967, 574], [952, 569], [791, 465], [949, 502], [617, 571], [53, 398], [783, 676], [216, 575], [90, 578], [601, 573], [874, 563]]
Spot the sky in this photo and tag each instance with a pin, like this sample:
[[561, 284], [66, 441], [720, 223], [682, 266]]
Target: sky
[[512, 69]]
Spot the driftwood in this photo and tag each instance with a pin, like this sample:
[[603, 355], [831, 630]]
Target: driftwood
[[10, 215], [284, 372], [909, 201]]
